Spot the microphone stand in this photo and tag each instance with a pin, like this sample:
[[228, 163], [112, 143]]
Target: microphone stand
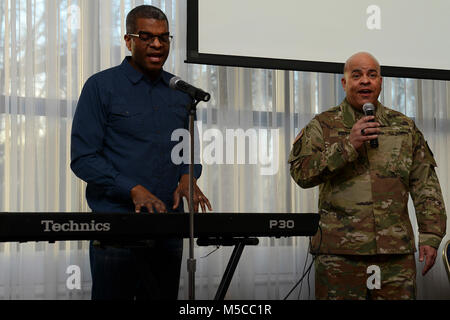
[[191, 262]]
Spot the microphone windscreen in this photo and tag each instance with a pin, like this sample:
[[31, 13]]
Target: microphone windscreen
[[369, 109], [173, 82]]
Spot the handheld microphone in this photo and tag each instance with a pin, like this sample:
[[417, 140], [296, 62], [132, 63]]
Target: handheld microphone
[[369, 110], [196, 93]]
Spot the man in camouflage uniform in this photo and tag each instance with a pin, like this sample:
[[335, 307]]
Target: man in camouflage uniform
[[364, 192]]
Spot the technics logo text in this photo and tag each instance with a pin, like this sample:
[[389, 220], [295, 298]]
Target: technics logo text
[[51, 226]]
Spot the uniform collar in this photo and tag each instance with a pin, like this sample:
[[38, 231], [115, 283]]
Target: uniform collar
[[351, 115]]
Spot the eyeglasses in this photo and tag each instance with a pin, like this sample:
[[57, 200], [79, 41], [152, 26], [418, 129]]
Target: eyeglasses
[[164, 38]]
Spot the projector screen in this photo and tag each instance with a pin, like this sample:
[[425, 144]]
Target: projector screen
[[408, 37]]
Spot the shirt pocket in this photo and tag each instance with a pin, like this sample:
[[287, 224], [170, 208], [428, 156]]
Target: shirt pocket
[[171, 118], [126, 121], [394, 155], [179, 112]]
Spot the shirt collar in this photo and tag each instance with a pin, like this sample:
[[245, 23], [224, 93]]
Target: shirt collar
[[165, 76], [131, 73], [135, 76]]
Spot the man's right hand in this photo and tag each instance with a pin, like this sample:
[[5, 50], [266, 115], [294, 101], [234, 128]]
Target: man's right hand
[[143, 198], [363, 130]]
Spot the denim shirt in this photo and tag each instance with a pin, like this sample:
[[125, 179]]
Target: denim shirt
[[121, 137]]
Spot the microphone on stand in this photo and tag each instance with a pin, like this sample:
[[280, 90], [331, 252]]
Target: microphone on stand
[[369, 110], [196, 93]]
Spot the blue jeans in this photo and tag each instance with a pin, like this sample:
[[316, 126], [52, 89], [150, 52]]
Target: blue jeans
[[150, 272]]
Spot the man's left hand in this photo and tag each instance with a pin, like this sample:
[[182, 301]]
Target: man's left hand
[[183, 191], [430, 257]]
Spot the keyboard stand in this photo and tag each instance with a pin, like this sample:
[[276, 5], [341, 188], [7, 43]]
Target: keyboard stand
[[239, 244]]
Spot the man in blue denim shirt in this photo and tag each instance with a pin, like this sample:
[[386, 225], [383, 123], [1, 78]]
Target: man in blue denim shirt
[[121, 146]]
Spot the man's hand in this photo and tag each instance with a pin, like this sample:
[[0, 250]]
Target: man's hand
[[363, 130], [430, 257], [183, 191], [144, 198]]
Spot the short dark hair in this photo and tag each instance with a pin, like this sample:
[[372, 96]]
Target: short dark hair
[[146, 12]]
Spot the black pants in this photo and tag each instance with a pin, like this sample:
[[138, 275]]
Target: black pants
[[150, 272]]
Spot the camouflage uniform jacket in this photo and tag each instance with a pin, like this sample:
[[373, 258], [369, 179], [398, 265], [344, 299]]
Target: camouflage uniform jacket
[[363, 197]]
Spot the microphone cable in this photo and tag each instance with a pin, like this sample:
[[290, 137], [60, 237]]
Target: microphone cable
[[304, 266], [310, 265], [315, 255], [309, 273], [217, 248]]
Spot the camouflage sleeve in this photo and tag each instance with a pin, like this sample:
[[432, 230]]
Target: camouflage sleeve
[[313, 160], [426, 194]]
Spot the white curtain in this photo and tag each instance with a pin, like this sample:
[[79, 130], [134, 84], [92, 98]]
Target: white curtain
[[48, 48]]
